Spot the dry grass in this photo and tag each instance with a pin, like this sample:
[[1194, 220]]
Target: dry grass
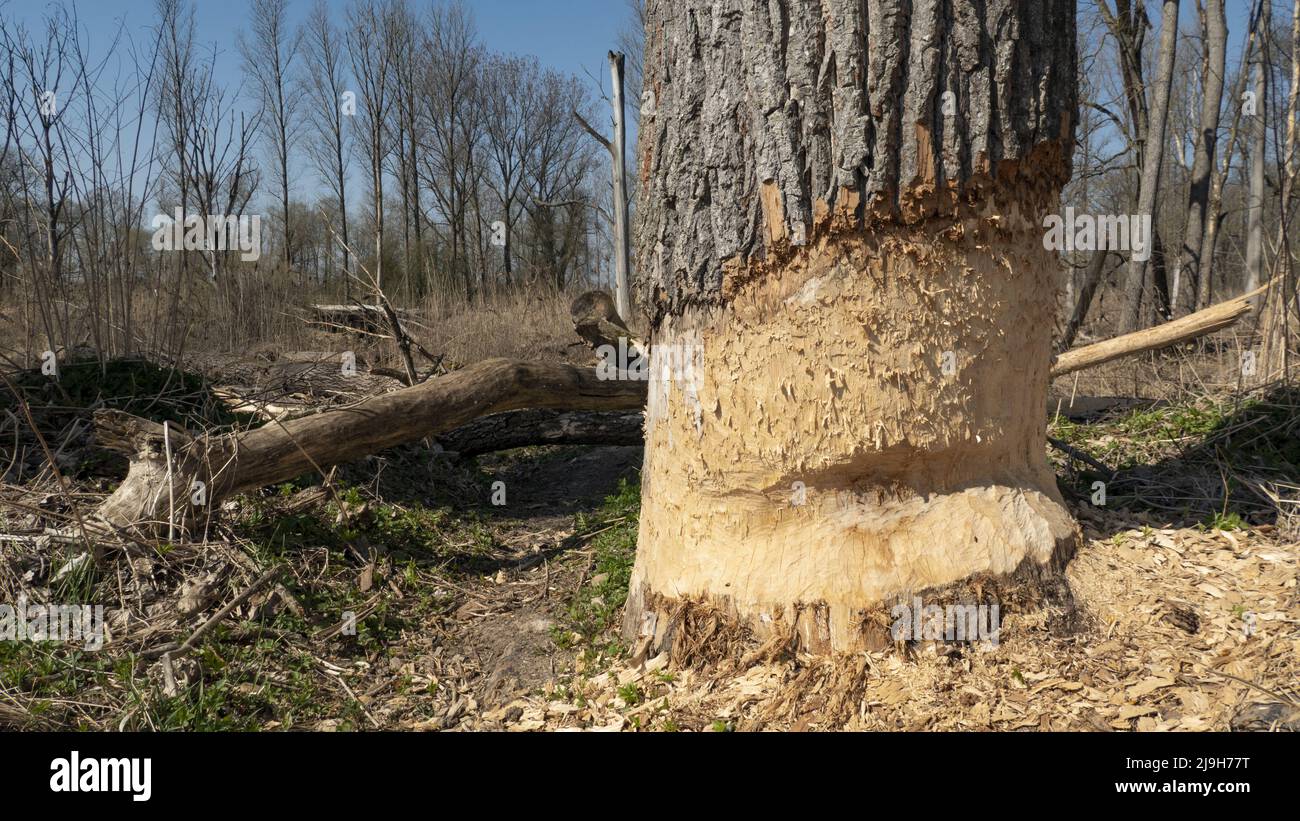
[[466, 615]]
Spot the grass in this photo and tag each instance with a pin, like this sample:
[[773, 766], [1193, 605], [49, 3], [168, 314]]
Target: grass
[[1202, 458], [595, 612]]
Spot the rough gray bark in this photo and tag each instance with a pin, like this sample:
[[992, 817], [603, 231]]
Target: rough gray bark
[[815, 106], [1258, 161], [1153, 154], [1213, 216], [1092, 278], [523, 428], [1213, 64]]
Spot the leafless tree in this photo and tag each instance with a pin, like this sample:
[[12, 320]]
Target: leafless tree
[[453, 116], [369, 44], [323, 82], [1152, 155], [269, 52], [1214, 30]]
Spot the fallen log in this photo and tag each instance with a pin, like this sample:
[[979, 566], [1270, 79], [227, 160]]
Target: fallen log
[[517, 429], [205, 470], [1207, 321]]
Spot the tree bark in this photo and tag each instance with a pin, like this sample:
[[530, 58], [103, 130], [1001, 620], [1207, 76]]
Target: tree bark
[[1281, 313], [524, 428], [622, 234], [1152, 155], [1258, 161], [1214, 62], [841, 249], [1213, 216]]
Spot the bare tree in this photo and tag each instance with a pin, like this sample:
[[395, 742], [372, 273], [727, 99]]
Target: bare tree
[[452, 113], [560, 165], [370, 50], [406, 128], [223, 175], [631, 42], [269, 54], [510, 99], [1257, 159], [1214, 54], [323, 83], [1153, 153], [1214, 210]]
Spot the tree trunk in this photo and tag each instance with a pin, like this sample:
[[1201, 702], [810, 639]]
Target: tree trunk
[[1092, 278], [1214, 212], [1278, 328], [618, 150], [523, 428], [841, 245], [1214, 61], [1258, 161], [1153, 150]]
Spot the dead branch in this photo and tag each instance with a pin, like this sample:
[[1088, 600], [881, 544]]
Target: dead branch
[[1207, 321], [217, 467]]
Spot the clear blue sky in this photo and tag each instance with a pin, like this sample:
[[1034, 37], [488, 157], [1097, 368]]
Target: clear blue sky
[[571, 35]]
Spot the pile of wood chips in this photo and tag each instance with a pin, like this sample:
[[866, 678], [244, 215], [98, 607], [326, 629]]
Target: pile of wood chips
[[1174, 629]]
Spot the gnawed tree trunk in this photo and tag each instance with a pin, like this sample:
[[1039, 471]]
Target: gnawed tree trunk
[[155, 491], [849, 294]]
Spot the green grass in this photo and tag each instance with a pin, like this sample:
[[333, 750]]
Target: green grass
[[595, 611], [410, 532], [1225, 443], [1224, 521], [631, 694]]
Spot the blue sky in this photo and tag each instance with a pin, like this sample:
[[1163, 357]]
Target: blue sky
[[571, 35]]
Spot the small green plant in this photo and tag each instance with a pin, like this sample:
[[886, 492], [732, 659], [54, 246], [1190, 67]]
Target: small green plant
[[1224, 521], [596, 608], [631, 694]]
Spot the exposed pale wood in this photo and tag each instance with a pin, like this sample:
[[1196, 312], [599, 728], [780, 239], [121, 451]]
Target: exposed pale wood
[[1215, 318]]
